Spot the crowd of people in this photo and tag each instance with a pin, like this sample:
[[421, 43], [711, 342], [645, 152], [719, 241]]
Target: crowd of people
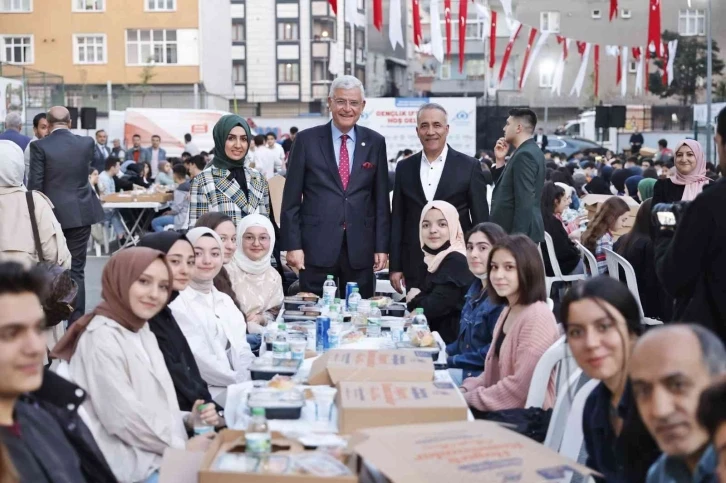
[[183, 311]]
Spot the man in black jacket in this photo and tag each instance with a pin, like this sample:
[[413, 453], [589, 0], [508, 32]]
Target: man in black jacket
[[59, 166], [438, 172], [39, 421], [691, 262]]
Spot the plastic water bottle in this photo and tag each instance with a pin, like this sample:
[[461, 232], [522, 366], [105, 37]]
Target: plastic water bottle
[[329, 289], [200, 427], [280, 346], [373, 328], [354, 300], [419, 318], [258, 442]]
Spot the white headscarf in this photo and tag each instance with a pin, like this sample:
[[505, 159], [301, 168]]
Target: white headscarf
[[193, 235], [243, 262], [12, 165], [568, 189]]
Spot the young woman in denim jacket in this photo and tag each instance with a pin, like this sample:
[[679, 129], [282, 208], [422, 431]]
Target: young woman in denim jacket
[[479, 316]]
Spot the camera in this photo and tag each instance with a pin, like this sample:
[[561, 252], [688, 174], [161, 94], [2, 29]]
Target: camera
[[666, 216]]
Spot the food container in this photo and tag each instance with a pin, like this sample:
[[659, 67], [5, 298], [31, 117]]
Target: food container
[[294, 303], [297, 316], [432, 351], [308, 297], [277, 404], [263, 370], [394, 310]]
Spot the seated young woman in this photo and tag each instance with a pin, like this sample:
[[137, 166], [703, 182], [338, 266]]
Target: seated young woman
[[178, 356], [255, 281], [132, 406], [212, 324], [447, 278], [525, 329], [554, 202], [466, 355], [602, 322]]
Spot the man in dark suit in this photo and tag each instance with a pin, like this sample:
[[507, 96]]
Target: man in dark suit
[[59, 166], [436, 173], [335, 206], [101, 152], [517, 193], [541, 139]]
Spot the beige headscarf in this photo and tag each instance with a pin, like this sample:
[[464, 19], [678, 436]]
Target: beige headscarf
[[456, 234]]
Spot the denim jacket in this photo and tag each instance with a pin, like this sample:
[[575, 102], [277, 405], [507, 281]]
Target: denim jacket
[[478, 318]]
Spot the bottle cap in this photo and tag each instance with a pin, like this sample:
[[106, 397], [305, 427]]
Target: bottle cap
[[258, 411], [330, 277], [355, 289], [419, 310]]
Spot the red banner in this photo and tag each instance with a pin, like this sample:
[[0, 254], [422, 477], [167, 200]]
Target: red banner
[[613, 9], [447, 16], [508, 52], [334, 6], [378, 14], [416, 24], [597, 70], [463, 5], [581, 46], [619, 74], [654, 41], [563, 40], [492, 40], [530, 43]]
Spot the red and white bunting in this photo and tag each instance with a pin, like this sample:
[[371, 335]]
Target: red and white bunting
[[530, 43], [654, 36], [463, 7], [639, 57], [447, 17], [334, 6], [560, 69], [493, 40], [508, 51], [416, 23], [597, 71], [583, 48], [437, 41], [541, 41], [378, 14], [395, 26], [624, 68], [672, 48], [613, 9]]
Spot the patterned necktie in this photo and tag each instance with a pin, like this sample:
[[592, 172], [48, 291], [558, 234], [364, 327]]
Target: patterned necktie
[[344, 165]]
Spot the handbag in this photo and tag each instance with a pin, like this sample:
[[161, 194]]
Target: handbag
[[62, 289]]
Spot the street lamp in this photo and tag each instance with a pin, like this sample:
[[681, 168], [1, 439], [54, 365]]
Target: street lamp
[[547, 68]]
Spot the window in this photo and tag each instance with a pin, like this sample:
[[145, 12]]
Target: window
[[691, 22], [475, 69], [17, 49], [445, 71], [632, 67], [360, 38], [545, 77], [238, 31], [89, 5], [549, 22], [320, 71], [288, 72], [323, 29], [625, 13], [89, 49], [161, 5], [238, 73], [286, 31], [361, 5], [145, 47], [16, 6], [346, 36], [596, 13], [473, 29]]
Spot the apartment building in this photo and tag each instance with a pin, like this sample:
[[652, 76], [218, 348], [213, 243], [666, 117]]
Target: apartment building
[[582, 20]]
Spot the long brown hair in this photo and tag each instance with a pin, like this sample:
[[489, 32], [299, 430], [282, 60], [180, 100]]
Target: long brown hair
[[640, 230], [530, 270], [222, 282], [613, 208]]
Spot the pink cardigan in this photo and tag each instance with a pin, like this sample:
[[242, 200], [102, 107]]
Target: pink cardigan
[[504, 384]]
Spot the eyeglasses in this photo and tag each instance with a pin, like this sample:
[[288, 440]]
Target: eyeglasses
[[341, 103], [250, 239]]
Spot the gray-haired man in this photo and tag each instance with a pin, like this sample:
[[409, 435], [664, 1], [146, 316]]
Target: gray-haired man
[[13, 126]]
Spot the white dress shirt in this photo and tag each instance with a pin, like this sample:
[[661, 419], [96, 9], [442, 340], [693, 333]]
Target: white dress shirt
[[267, 161], [431, 172], [103, 149], [216, 332]]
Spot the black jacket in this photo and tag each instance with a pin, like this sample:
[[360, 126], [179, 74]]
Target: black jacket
[[666, 191], [443, 295], [316, 211], [566, 251], [691, 264], [59, 165], [462, 185], [653, 299], [54, 444]]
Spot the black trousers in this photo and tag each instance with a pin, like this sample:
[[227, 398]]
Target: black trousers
[[313, 277], [77, 241]]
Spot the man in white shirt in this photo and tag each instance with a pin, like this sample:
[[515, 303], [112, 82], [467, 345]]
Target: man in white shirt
[[266, 160], [438, 172], [189, 146], [277, 149], [156, 154], [40, 130], [101, 152]]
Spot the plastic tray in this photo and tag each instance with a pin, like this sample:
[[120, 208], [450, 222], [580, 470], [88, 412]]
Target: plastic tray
[[264, 370], [433, 352], [278, 404]]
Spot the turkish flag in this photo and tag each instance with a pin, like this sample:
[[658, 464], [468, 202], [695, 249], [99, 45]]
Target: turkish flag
[[447, 17], [654, 47], [493, 40], [416, 24], [613, 9], [377, 14], [334, 6], [463, 4]]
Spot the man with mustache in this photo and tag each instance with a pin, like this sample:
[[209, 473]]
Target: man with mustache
[[669, 369], [438, 172]]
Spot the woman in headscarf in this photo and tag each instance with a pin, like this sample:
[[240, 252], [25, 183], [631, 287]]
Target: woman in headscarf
[[689, 178], [645, 188], [212, 324], [447, 278], [188, 382], [132, 409], [18, 244], [618, 180], [256, 283], [227, 186], [631, 184]]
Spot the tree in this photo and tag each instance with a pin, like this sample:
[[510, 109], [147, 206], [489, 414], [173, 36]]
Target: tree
[[719, 91], [146, 75], [689, 69]]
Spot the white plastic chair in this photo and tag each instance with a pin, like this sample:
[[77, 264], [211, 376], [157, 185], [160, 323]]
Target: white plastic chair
[[550, 304], [615, 262], [557, 358], [560, 412], [384, 287], [558, 276], [589, 258], [573, 438]]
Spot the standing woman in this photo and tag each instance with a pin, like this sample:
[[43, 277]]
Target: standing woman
[[602, 322], [132, 407], [689, 178], [188, 382], [227, 186], [256, 283], [447, 278]]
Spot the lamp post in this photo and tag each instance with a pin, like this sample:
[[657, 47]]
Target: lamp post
[[709, 78]]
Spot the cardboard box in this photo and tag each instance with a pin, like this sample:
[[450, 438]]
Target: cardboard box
[[373, 404], [138, 197], [465, 452], [592, 205], [378, 366]]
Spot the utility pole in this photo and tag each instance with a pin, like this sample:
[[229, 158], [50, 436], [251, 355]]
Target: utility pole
[[709, 82]]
